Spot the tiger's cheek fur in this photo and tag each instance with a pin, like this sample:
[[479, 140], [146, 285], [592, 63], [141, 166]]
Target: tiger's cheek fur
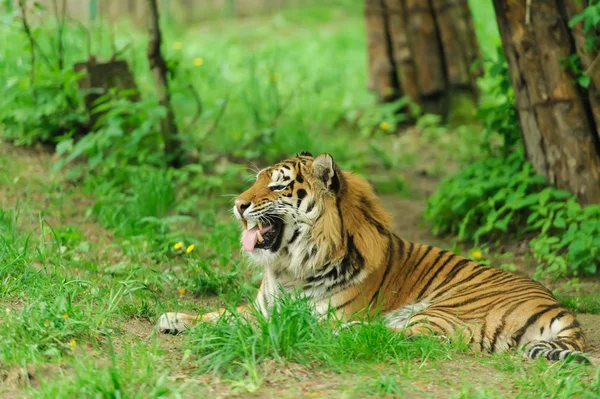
[[294, 202]]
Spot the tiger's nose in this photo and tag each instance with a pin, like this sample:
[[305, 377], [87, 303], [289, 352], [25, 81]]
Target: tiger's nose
[[242, 205]]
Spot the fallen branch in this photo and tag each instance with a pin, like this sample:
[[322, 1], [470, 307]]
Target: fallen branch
[[528, 12], [27, 30], [199, 107], [219, 116]]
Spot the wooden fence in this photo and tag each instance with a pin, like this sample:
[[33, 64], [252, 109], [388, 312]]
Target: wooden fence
[[177, 10]]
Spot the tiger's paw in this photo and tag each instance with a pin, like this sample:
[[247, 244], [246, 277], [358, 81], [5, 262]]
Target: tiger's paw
[[174, 323], [346, 326]]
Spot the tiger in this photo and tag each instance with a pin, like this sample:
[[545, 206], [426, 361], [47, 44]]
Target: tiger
[[321, 231]]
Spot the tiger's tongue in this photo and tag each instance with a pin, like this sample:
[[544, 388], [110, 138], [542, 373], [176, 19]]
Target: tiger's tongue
[[250, 237]]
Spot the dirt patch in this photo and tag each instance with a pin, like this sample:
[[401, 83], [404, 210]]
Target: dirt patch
[[28, 186], [591, 328], [15, 379]]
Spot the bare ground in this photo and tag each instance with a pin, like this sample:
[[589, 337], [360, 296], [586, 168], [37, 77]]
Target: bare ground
[[439, 380]]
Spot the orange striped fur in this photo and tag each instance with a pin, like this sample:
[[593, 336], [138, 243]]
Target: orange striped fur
[[334, 243]]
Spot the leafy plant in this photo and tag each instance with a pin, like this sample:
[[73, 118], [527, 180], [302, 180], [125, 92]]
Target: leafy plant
[[44, 112], [590, 18], [497, 111], [486, 197], [569, 241], [126, 133], [502, 196]]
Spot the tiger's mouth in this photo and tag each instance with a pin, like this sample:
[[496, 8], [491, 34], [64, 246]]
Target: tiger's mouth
[[261, 235]]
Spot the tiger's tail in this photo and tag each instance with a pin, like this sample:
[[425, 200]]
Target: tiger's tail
[[568, 342]]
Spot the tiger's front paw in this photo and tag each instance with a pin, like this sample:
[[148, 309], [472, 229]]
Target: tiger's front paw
[[175, 323]]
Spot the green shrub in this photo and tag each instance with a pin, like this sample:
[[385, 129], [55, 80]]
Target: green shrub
[[569, 241], [498, 197], [501, 195], [44, 112], [489, 196], [126, 133]]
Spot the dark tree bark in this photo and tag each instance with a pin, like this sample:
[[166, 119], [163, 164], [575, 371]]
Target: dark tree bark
[[558, 117], [159, 69], [423, 49]]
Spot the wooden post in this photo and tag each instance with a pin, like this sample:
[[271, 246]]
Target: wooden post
[[425, 49], [382, 71], [99, 77]]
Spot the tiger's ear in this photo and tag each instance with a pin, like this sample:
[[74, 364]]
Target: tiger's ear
[[327, 172]]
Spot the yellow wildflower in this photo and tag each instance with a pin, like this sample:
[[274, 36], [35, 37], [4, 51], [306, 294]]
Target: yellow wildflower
[[178, 246], [198, 61], [476, 254], [181, 291], [177, 45], [73, 344], [190, 248], [385, 126], [66, 316], [7, 310]]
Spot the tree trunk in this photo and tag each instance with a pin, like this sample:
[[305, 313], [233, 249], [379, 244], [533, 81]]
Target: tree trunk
[[158, 66], [423, 49], [558, 117]]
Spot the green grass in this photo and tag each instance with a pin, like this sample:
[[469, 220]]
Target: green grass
[[238, 344], [132, 373], [269, 85]]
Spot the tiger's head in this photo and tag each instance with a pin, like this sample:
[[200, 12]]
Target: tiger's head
[[298, 213]]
